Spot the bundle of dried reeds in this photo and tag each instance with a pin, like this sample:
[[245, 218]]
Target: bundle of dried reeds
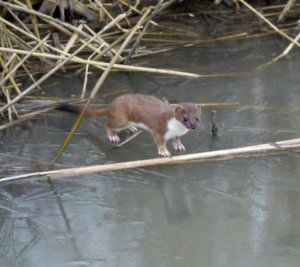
[[46, 36]]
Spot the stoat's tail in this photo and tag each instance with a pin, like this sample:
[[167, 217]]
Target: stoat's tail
[[77, 110]]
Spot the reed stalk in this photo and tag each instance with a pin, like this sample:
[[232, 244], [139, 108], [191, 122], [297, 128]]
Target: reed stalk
[[115, 58], [28, 55], [106, 50], [282, 147], [69, 44], [53, 70], [286, 9], [138, 40], [30, 35], [58, 24], [101, 6], [25, 117], [20, 22], [121, 67], [33, 20], [280, 32], [282, 55], [99, 84]]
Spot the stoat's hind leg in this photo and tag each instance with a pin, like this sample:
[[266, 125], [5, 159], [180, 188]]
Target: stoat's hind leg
[[112, 136], [161, 145], [113, 125]]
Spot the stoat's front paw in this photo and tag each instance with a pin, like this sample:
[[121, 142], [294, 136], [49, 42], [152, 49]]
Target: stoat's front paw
[[178, 146], [114, 138], [164, 152]]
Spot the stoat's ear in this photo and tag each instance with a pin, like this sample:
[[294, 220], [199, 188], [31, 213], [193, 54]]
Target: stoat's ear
[[178, 110], [198, 107]]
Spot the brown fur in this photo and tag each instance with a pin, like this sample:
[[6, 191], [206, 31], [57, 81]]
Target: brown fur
[[135, 109]]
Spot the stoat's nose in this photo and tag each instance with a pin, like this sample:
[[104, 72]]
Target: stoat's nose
[[193, 125]]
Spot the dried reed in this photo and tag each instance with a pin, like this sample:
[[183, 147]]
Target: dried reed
[[281, 147]]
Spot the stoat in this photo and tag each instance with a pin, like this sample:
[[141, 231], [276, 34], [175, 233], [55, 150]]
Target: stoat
[[142, 111]]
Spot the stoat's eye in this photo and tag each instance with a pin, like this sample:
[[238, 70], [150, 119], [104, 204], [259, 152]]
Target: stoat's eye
[[185, 118]]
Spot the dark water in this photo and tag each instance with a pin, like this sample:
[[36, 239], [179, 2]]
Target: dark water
[[232, 213]]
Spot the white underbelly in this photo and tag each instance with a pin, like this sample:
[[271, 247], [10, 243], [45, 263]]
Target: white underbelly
[[174, 129]]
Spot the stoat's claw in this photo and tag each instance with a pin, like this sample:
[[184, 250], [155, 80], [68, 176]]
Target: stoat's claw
[[114, 138], [164, 152], [178, 146], [132, 129]]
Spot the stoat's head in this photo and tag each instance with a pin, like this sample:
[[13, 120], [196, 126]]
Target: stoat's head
[[188, 114]]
